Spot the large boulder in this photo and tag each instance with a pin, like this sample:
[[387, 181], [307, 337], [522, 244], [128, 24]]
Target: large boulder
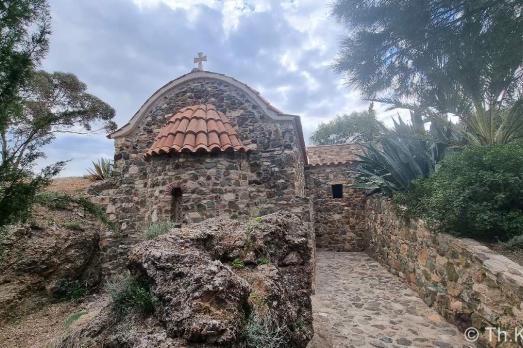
[[223, 282]]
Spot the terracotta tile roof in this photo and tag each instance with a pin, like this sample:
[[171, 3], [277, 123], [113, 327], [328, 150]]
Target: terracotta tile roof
[[197, 128], [333, 154]]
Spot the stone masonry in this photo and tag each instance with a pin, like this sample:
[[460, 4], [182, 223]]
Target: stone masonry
[[268, 178], [466, 282], [339, 223]]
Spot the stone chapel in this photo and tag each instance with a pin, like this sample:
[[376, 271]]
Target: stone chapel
[[206, 144]]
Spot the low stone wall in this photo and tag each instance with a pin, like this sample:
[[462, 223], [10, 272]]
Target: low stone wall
[[464, 281]]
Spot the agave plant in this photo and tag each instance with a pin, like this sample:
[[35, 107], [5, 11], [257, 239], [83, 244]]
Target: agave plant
[[495, 126], [101, 170], [405, 153]]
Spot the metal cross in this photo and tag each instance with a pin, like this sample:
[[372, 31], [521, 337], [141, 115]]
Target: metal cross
[[200, 59]]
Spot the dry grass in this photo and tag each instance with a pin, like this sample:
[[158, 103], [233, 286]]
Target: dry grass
[[74, 184], [38, 329]]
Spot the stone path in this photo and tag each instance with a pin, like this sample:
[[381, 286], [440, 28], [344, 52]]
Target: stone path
[[358, 303]]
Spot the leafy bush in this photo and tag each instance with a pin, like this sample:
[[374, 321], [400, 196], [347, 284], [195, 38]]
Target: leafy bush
[[261, 332], [159, 228], [129, 294], [477, 193], [102, 170], [71, 289]]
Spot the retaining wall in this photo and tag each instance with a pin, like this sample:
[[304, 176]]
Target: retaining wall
[[466, 282]]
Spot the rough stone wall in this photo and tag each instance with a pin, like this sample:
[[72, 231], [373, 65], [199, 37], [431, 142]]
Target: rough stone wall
[[339, 223], [265, 180], [464, 281]]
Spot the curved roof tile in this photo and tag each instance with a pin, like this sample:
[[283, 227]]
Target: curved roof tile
[[196, 128]]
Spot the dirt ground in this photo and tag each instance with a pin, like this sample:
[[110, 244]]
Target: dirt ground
[[38, 329], [73, 184]]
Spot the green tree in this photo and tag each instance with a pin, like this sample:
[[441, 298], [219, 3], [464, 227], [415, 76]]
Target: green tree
[[440, 57], [34, 105], [355, 127]]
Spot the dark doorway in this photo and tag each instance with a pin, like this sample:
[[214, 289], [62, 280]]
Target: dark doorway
[[337, 191], [176, 205]]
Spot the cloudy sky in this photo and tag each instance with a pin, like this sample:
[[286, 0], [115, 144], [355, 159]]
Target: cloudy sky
[[126, 49]]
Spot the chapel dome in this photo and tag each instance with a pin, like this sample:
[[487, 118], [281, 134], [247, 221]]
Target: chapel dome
[[196, 128]]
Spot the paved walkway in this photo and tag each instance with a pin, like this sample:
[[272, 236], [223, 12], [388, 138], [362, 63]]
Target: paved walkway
[[358, 303]]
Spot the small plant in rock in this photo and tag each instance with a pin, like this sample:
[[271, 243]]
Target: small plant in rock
[[258, 219], [263, 261], [101, 170], [262, 332], [73, 225], [158, 228], [71, 289], [73, 317], [129, 294], [238, 264]]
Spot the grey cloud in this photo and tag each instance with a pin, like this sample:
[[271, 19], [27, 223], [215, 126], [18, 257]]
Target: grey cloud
[[124, 54]]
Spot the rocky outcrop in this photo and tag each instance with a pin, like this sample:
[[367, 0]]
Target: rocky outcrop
[[223, 282], [46, 259]]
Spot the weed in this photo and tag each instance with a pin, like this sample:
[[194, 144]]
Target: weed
[[262, 332], [71, 290], [73, 317], [258, 219], [238, 264], [129, 294], [263, 261], [157, 229], [73, 225]]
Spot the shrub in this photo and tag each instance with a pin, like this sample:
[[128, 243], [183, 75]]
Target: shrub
[[129, 294], [477, 193], [159, 228], [101, 170], [69, 289], [261, 332]]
